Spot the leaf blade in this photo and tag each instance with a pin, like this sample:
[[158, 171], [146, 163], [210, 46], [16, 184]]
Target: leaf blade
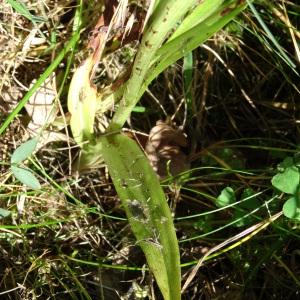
[[287, 181], [291, 208], [24, 151], [26, 177], [226, 197], [146, 208], [4, 213], [180, 44]]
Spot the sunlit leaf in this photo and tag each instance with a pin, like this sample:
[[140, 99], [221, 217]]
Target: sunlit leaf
[[168, 13], [226, 197], [82, 102], [26, 177], [146, 208], [194, 31], [24, 11]]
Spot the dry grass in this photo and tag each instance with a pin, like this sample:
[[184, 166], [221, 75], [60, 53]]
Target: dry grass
[[71, 239]]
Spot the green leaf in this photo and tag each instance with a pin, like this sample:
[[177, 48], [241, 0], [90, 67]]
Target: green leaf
[[245, 207], [188, 79], [281, 51], [146, 208], [166, 15], [194, 32], [287, 181], [26, 177], [231, 157], [24, 11], [286, 163], [156, 53], [24, 151], [205, 9], [297, 160], [291, 208], [4, 213], [226, 197]]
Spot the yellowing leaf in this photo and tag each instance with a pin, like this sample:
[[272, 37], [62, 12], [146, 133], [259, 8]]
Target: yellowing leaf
[[82, 102]]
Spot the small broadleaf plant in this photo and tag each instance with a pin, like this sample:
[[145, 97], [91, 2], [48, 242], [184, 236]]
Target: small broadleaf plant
[[22, 153], [242, 208], [287, 181]]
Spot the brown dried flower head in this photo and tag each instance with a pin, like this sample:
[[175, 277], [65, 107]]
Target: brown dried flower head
[[164, 149]]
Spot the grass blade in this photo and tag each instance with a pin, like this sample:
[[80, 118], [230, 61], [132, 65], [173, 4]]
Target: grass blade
[[42, 78], [282, 54], [24, 11], [188, 80]]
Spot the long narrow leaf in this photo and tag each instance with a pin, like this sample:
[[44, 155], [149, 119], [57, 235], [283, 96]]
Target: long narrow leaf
[[164, 18], [191, 39], [82, 102], [24, 11], [188, 79], [146, 208], [205, 9], [153, 57], [271, 37]]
